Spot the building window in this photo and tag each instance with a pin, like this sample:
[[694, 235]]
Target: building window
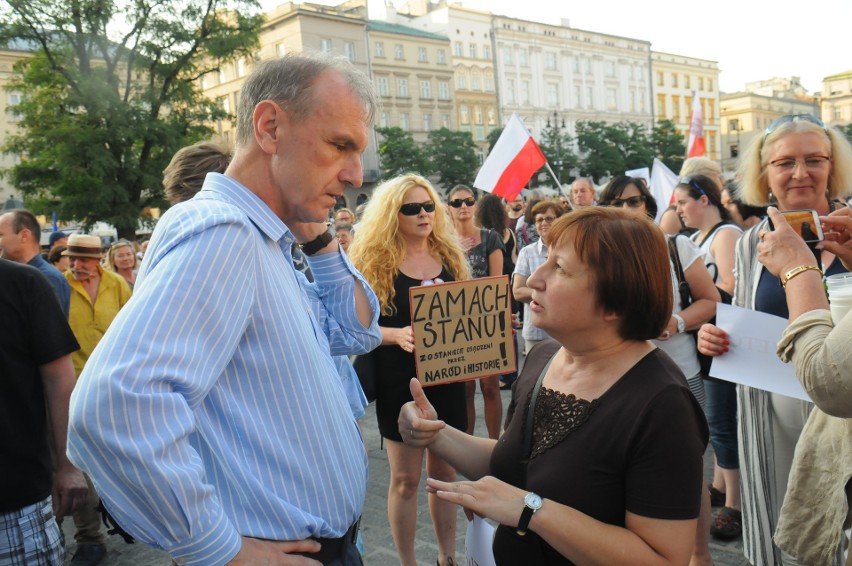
[[12, 100], [489, 84], [475, 83], [458, 49], [588, 66], [552, 92], [611, 99], [472, 48], [676, 108], [464, 114], [402, 88], [633, 100], [641, 100], [443, 90], [427, 122], [710, 84], [700, 83], [735, 150], [384, 120], [525, 92], [590, 97], [660, 80], [222, 77], [349, 51], [325, 45], [241, 67], [631, 72], [550, 61], [380, 49], [575, 64], [280, 50], [399, 52], [477, 114], [711, 111], [425, 89], [510, 91], [461, 81], [486, 52], [383, 86], [492, 116], [661, 106], [674, 80], [421, 55], [404, 121], [442, 57], [610, 68], [577, 101], [507, 55], [686, 81], [445, 120], [225, 103], [523, 60]]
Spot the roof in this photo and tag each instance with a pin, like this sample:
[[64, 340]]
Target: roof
[[376, 25], [843, 75]]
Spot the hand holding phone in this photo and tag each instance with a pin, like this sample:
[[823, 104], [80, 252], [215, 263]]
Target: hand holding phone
[[805, 223]]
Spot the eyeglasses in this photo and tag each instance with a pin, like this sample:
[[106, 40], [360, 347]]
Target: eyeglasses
[[691, 182], [793, 118], [631, 202], [414, 208], [120, 243], [458, 202], [788, 165], [434, 281], [543, 219]]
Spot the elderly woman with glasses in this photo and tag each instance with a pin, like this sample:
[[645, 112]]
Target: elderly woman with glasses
[[688, 276], [544, 214], [405, 240], [121, 259], [797, 164], [601, 459]]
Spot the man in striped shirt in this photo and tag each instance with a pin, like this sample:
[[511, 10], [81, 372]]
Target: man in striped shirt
[[211, 418]]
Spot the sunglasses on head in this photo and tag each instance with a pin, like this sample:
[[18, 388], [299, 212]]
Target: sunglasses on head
[[414, 208], [691, 182], [458, 202], [792, 118], [631, 202]]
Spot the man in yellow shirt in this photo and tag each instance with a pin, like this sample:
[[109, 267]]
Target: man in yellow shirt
[[96, 297]]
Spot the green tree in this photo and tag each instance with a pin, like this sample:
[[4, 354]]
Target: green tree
[[598, 144], [453, 157], [846, 131], [635, 144], [399, 153], [111, 92], [668, 144], [492, 138], [556, 144]]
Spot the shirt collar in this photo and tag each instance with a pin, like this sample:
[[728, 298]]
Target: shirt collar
[[259, 213]]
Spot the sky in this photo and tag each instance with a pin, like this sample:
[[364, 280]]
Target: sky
[[750, 39]]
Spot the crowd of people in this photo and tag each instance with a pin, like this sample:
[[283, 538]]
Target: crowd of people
[[230, 435]]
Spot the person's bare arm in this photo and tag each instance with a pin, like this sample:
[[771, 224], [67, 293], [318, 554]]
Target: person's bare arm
[[520, 291], [70, 490]]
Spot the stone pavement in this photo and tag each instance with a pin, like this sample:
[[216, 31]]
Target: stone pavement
[[375, 528]]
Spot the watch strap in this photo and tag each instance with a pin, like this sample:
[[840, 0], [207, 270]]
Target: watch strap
[[524, 521], [318, 243]]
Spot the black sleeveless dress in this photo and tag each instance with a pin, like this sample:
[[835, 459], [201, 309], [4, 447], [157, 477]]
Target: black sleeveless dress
[[395, 367]]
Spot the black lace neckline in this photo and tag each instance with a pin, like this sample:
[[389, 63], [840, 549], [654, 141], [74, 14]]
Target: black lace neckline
[[556, 416]]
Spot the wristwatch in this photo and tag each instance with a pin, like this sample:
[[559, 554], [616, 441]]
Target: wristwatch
[[681, 324], [318, 243], [532, 503]]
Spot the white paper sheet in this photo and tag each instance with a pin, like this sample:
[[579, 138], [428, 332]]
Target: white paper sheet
[[751, 359], [477, 543]]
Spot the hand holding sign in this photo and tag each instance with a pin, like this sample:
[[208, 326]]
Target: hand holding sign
[[404, 338], [418, 424]]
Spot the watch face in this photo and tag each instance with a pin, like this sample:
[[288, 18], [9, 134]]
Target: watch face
[[533, 501]]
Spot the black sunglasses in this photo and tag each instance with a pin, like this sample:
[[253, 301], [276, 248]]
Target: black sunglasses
[[414, 208], [792, 118], [458, 202], [632, 202]]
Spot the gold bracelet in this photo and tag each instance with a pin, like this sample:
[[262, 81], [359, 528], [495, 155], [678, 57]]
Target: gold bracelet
[[798, 271]]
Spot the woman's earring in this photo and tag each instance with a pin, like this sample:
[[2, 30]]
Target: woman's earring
[[771, 198]]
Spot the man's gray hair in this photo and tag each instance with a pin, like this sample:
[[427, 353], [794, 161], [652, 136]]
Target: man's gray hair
[[288, 82]]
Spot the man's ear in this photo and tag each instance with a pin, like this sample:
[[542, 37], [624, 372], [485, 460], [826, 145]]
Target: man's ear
[[268, 120]]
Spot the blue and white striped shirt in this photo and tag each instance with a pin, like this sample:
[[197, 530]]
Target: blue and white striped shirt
[[212, 408]]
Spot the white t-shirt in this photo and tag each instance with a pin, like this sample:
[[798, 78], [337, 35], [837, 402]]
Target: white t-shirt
[[705, 246], [681, 347]]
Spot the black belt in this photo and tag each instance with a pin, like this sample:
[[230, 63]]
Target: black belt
[[334, 548]]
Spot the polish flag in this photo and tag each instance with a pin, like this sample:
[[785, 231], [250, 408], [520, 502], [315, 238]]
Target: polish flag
[[511, 163], [695, 146]]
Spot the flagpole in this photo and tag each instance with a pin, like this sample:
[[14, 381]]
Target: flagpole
[[559, 185]]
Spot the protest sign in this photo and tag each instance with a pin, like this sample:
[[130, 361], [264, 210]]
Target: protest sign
[[462, 330]]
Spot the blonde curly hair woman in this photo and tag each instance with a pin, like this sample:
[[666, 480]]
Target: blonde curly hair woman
[[405, 240]]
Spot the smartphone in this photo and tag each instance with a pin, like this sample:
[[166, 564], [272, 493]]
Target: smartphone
[[805, 223]]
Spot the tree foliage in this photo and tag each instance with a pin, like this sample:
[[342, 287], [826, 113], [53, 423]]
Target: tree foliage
[[110, 94], [492, 138], [846, 130], [556, 144], [452, 156], [668, 144], [399, 153], [599, 143]]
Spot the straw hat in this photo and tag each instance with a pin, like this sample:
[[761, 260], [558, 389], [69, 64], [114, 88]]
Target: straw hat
[[83, 245]]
